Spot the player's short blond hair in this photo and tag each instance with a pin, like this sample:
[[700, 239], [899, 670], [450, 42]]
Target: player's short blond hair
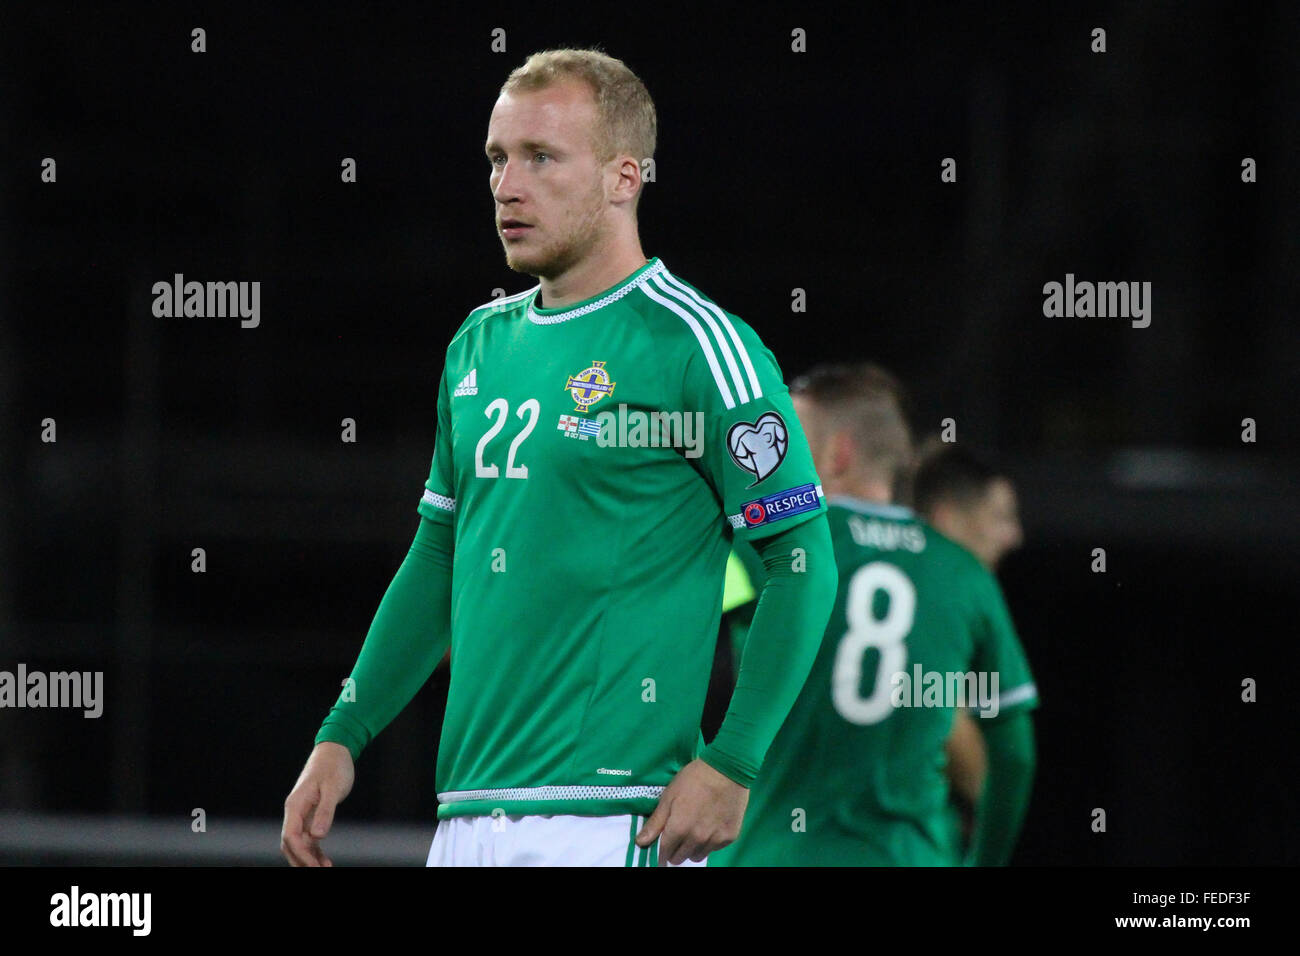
[[871, 403], [626, 121]]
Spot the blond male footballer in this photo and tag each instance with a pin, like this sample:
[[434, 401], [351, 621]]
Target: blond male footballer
[[602, 437]]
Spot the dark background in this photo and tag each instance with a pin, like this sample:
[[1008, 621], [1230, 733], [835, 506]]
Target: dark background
[[775, 170]]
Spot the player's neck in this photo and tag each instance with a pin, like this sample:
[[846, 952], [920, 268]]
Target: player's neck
[[875, 492], [593, 275]]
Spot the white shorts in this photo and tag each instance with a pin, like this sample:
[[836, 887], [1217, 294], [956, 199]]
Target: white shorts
[[543, 841]]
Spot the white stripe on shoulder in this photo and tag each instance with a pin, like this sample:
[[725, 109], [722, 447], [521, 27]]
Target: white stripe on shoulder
[[703, 339], [726, 324], [675, 289], [507, 299]]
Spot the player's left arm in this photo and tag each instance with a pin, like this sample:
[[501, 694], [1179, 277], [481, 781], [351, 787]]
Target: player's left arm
[[794, 604], [703, 807], [1008, 729], [758, 463], [966, 768], [1002, 806]]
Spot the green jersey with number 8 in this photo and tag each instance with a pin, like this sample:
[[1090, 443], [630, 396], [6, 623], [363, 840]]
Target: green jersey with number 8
[[856, 774]]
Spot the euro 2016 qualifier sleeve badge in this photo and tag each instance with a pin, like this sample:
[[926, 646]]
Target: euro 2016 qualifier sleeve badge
[[759, 446], [589, 386]]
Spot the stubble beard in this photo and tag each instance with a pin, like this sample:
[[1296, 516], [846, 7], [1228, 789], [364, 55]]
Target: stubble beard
[[571, 249]]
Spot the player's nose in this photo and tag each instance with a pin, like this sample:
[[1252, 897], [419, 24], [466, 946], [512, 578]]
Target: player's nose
[[504, 187]]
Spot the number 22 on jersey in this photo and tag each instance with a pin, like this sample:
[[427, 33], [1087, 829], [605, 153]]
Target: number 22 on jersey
[[501, 408]]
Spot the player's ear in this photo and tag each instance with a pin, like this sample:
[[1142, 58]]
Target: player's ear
[[944, 515], [841, 452], [627, 177]]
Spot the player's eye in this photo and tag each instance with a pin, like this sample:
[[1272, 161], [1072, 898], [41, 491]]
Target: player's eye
[[493, 159], [542, 156]]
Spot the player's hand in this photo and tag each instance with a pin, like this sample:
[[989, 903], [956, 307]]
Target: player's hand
[[309, 809], [699, 811]]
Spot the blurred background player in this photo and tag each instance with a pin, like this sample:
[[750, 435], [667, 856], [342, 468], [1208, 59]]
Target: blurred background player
[[968, 500], [853, 777], [975, 505]]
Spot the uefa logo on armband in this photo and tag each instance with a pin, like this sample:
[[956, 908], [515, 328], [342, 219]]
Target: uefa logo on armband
[[783, 504]]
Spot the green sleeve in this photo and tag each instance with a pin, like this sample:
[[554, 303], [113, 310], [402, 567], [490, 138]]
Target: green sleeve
[[793, 607], [409, 635], [754, 454], [1010, 780], [739, 617], [998, 648]]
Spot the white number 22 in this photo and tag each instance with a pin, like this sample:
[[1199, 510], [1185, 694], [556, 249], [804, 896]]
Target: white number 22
[[502, 407]]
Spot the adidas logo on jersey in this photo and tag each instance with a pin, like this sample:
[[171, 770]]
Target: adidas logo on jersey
[[468, 385]]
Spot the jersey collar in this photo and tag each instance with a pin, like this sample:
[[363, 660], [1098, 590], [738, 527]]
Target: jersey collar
[[900, 512], [630, 284]]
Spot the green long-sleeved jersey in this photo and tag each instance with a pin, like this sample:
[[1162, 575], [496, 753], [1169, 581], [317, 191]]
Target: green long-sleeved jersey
[[855, 775], [593, 464]]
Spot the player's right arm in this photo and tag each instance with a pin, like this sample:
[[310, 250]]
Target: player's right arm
[[967, 765], [967, 757], [1005, 797], [757, 462], [409, 634]]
